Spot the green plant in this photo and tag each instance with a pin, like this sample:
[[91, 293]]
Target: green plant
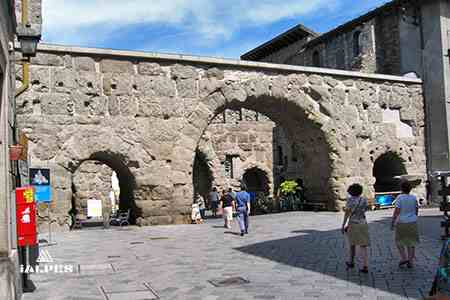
[[288, 186]]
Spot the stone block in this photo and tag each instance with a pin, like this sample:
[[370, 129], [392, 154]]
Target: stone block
[[257, 87], [84, 63], [40, 79], [57, 104], [161, 220], [187, 88], [163, 108], [209, 86], [315, 80], [234, 92], [113, 105], [47, 59], [128, 105], [89, 83], [117, 84], [68, 61], [151, 69], [63, 80], [215, 73], [116, 66], [184, 72]]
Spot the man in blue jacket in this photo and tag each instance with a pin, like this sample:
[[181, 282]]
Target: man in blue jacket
[[243, 208]]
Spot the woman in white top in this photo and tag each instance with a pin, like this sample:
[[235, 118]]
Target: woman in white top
[[406, 230]]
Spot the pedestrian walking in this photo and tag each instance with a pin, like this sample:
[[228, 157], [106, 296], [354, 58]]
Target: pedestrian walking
[[404, 220], [243, 209], [201, 205], [228, 206], [428, 192], [214, 201], [357, 230]]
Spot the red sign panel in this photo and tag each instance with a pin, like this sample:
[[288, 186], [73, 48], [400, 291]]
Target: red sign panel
[[26, 216]]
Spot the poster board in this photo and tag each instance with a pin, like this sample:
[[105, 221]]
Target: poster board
[[94, 207], [40, 180]]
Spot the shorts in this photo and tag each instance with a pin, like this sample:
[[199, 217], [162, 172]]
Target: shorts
[[358, 234], [407, 234], [228, 213]]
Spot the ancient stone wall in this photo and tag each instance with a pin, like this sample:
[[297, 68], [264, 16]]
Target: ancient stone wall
[[144, 114], [92, 180]]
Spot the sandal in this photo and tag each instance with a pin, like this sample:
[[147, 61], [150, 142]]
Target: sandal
[[402, 263], [409, 265], [364, 270], [349, 265]]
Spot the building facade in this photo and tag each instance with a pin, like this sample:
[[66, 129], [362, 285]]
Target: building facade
[[9, 284], [406, 38]]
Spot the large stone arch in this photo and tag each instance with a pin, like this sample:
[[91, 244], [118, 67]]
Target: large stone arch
[[298, 107]]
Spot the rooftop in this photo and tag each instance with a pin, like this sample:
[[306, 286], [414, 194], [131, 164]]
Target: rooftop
[[298, 32], [285, 39]]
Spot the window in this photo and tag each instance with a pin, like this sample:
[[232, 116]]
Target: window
[[228, 166], [356, 43], [316, 59], [294, 153], [280, 155], [340, 59]]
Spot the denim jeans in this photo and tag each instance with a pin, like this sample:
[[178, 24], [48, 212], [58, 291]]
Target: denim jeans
[[243, 218]]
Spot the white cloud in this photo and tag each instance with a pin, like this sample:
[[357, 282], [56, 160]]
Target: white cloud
[[88, 21]]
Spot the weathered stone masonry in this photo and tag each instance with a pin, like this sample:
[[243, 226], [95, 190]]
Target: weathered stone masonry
[[144, 115]]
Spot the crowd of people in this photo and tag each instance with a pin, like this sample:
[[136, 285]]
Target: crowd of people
[[227, 204]]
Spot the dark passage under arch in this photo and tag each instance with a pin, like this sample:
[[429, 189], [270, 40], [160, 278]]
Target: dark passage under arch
[[386, 170]]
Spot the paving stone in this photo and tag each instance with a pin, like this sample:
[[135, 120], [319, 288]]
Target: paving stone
[[279, 262]]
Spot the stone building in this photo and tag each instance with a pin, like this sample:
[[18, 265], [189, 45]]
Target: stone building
[[399, 38], [13, 172], [9, 279]]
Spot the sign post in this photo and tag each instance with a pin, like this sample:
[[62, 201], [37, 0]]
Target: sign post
[[40, 180]]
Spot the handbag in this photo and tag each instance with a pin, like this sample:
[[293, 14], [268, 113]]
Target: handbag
[[353, 212]]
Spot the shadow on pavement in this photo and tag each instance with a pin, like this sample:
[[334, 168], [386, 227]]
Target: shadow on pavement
[[325, 252]]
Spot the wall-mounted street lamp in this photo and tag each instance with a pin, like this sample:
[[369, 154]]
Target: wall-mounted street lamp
[[29, 36]]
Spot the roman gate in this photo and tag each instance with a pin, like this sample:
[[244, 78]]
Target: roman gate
[[143, 115]]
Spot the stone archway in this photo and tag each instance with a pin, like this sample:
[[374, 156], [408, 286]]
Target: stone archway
[[106, 163], [256, 180], [303, 120], [151, 111], [387, 169]]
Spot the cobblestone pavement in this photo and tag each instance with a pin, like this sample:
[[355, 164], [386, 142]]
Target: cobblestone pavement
[[296, 255]]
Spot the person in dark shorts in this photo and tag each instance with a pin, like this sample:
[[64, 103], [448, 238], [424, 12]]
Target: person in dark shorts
[[214, 198]]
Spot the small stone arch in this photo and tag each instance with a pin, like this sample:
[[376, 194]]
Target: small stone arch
[[127, 181], [256, 180]]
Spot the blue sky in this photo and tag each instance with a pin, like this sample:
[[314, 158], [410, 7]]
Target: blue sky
[[222, 28]]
